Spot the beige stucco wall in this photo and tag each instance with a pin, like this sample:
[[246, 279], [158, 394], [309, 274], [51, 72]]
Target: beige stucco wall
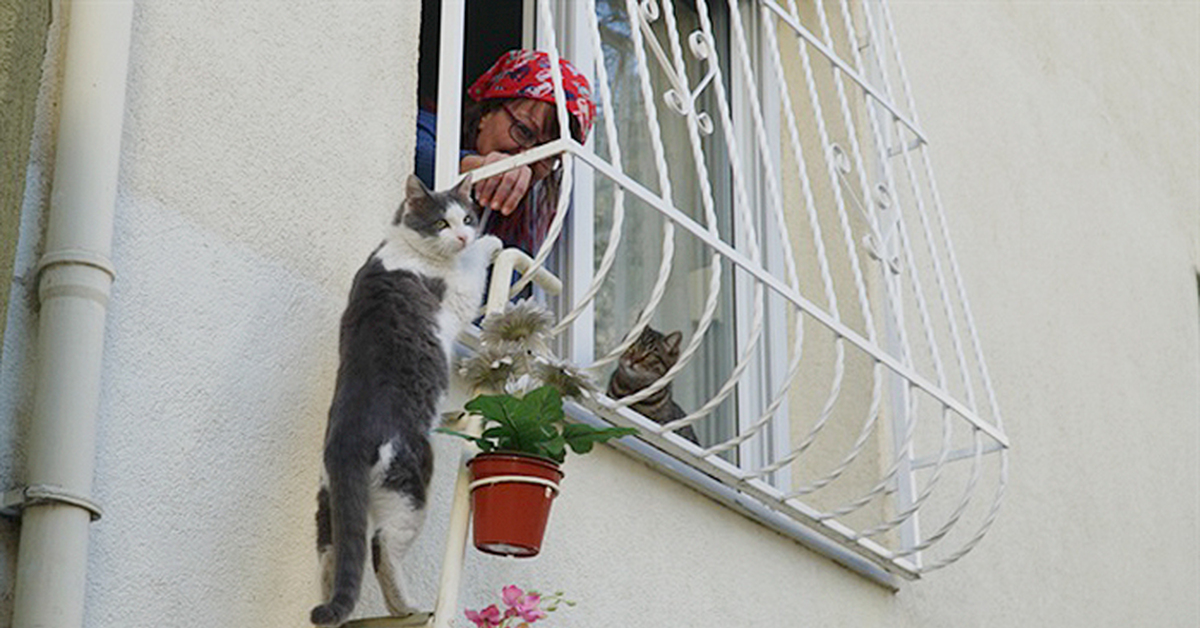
[[25, 37], [1067, 144], [23, 28], [265, 143]]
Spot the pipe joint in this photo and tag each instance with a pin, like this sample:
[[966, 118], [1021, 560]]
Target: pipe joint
[[77, 257], [17, 500], [71, 272]]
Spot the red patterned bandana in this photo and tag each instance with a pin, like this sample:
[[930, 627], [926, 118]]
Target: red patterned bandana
[[526, 74]]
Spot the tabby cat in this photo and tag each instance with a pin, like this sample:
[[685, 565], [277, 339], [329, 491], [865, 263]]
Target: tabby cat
[[407, 303], [643, 363]]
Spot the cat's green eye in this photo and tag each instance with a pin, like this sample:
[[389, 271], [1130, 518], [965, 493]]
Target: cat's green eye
[[468, 219], [441, 224]]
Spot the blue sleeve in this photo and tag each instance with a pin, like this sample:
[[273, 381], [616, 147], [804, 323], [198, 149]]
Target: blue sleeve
[[426, 155], [426, 146]]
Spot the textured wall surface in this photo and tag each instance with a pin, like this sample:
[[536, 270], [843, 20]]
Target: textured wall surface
[[265, 146], [1067, 144], [266, 143], [23, 29], [27, 148]]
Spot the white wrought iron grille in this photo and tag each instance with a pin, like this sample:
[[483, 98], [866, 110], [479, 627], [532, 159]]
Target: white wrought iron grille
[[758, 180]]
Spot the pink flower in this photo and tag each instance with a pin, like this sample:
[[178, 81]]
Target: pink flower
[[486, 618], [511, 595], [530, 612], [519, 603], [519, 606]]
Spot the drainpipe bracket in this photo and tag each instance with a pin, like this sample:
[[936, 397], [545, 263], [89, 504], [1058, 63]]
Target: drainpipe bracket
[[15, 501]]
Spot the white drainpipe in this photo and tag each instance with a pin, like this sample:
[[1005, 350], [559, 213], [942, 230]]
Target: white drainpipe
[[74, 280]]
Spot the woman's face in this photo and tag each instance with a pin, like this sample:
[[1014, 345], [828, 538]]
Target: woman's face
[[500, 129]]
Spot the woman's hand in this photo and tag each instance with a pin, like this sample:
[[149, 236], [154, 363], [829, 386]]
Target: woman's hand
[[503, 192]]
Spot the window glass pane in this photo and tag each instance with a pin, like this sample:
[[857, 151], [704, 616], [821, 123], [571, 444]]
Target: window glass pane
[[636, 269]]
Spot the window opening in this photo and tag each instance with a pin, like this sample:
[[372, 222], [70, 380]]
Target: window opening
[[778, 204]]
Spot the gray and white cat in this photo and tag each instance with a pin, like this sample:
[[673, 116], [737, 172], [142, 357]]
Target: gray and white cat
[[642, 364], [407, 304]]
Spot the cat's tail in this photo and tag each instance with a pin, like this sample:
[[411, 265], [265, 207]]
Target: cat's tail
[[348, 501]]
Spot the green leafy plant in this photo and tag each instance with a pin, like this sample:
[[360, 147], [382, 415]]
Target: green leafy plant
[[533, 424], [527, 416]]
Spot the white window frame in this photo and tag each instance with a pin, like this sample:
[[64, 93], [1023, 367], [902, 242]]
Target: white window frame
[[765, 374]]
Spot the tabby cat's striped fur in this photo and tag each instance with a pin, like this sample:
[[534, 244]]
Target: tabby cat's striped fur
[[643, 363]]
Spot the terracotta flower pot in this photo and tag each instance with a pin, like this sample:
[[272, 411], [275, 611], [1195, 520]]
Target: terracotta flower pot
[[510, 497]]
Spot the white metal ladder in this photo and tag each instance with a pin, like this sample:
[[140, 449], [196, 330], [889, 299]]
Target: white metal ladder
[[507, 261]]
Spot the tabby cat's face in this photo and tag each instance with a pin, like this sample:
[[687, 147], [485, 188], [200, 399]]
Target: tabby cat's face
[[652, 354], [445, 222]]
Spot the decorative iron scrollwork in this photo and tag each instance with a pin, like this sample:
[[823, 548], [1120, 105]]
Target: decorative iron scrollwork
[[680, 97], [874, 242]]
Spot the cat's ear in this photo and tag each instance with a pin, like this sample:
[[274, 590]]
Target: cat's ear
[[672, 340], [415, 188], [463, 189]]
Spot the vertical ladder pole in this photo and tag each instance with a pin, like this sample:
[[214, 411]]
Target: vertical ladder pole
[[456, 534], [449, 102]]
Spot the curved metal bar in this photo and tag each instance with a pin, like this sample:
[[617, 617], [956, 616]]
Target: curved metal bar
[[610, 129], [564, 200], [709, 311], [664, 182], [859, 443], [711, 302], [904, 514], [986, 525], [966, 306], [714, 283], [822, 261], [748, 224], [964, 501], [885, 480], [941, 215]]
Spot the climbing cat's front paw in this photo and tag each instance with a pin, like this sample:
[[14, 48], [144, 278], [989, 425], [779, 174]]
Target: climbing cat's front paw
[[490, 245]]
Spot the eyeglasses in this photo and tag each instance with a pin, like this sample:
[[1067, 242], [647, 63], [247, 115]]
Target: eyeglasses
[[526, 138], [520, 132]]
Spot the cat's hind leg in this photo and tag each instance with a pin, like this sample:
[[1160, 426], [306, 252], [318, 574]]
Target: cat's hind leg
[[399, 523], [398, 510]]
